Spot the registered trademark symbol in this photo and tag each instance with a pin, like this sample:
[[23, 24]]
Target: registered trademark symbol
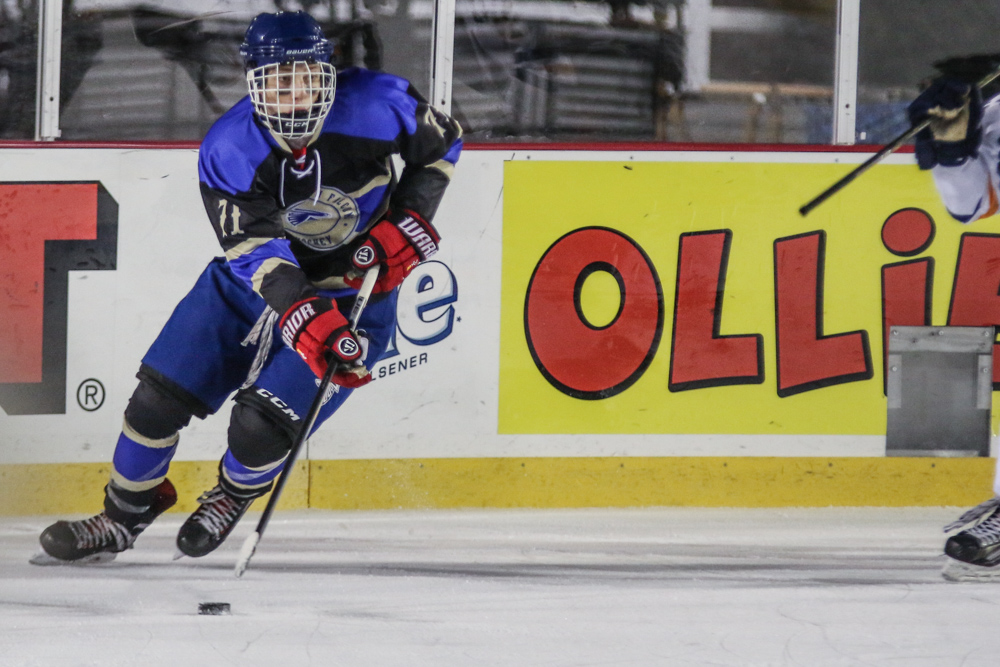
[[90, 394]]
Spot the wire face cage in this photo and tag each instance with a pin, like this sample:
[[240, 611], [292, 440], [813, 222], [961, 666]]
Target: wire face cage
[[293, 99]]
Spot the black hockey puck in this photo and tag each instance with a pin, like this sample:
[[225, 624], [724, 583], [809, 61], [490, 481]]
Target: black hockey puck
[[213, 608]]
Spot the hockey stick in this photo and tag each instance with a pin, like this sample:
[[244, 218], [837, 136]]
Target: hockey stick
[[891, 147], [250, 544]]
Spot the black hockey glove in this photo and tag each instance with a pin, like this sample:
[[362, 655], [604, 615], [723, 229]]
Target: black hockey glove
[[955, 111]]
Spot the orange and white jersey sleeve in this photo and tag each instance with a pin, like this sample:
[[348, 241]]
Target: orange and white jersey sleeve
[[969, 190]]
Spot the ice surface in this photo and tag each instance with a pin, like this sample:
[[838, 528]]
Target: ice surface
[[513, 587]]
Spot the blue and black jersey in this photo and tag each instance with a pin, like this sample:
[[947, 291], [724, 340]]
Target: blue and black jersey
[[289, 221]]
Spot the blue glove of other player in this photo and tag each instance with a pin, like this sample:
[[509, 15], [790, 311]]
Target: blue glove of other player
[[955, 111]]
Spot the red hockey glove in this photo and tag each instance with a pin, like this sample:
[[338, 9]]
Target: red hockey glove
[[319, 333], [399, 242]]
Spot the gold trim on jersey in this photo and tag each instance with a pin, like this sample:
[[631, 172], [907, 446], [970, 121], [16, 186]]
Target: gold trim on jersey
[[266, 267], [246, 247], [445, 167], [330, 282]]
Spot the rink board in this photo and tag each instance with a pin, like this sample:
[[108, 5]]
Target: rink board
[[489, 398], [545, 482]]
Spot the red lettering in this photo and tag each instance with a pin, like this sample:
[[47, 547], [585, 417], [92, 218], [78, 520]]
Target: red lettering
[[577, 358], [30, 215], [700, 356], [46, 231], [906, 286], [806, 358], [906, 299], [908, 232], [975, 297]]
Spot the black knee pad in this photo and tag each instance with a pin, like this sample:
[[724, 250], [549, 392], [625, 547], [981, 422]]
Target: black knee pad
[[255, 438], [158, 410]]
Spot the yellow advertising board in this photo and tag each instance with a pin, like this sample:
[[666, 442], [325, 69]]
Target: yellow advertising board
[[692, 297]]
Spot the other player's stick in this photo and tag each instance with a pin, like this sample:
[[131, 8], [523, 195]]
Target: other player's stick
[[250, 544], [891, 147]]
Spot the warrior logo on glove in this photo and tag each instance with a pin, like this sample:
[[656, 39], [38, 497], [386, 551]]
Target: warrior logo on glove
[[348, 347], [295, 320], [365, 256], [421, 240]]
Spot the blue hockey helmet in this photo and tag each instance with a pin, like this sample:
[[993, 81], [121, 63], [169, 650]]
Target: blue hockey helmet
[[291, 80], [283, 37]]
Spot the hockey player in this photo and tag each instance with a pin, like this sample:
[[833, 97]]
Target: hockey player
[[299, 183], [961, 147]]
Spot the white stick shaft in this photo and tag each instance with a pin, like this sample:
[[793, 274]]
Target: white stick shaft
[[246, 552], [365, 293]]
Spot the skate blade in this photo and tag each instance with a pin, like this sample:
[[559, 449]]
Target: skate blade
[[42, 558], [956, 570]]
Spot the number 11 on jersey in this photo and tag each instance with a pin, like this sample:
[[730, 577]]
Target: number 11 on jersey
[[230, 211]]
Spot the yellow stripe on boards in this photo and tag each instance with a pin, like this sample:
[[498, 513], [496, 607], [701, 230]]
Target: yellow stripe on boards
[[649, 481], [78, 488], [545, 483]]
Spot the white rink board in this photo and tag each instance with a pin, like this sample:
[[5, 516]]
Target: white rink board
[[446, 405]]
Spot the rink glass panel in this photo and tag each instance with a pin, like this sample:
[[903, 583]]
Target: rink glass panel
[[750, 71], [753, 71], [18, 67], [168, 70], [747, 71], [898, 46]]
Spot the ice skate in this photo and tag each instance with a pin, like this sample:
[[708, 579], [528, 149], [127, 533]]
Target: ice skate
[[211, 523], [974, 553], [100, 538]]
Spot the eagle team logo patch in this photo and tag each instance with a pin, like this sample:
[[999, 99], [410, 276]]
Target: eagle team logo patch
[[323, 224]]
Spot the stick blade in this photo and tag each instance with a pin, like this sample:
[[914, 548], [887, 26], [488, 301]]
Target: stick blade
[[246, 552]]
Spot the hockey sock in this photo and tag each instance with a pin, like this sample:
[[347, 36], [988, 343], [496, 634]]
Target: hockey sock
[[140, 463], [245, 482]]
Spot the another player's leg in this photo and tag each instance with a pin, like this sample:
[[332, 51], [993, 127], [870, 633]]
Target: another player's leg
[[138, 491], [974, 553], [258, 445]]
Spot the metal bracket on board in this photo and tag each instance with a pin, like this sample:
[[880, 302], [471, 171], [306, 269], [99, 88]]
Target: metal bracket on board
[[939, 387]]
